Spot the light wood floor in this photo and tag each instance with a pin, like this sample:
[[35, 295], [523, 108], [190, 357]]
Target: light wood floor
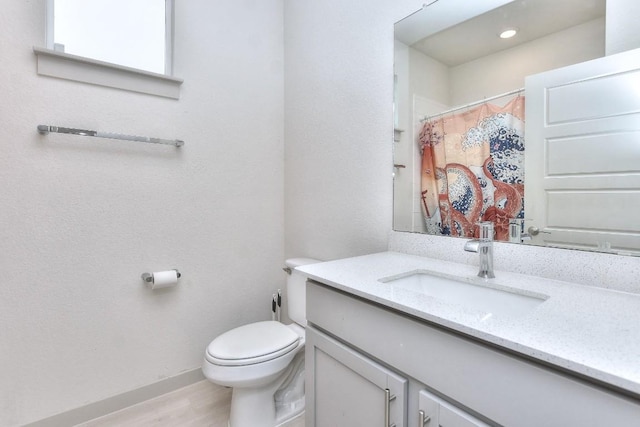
[[202, 404]]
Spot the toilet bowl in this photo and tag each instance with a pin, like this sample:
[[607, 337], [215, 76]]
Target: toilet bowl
[[264, 362]]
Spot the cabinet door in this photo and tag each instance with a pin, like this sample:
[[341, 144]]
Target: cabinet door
[[436, 412], [347, 389]]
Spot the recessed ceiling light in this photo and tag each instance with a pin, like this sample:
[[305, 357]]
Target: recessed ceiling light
[[508, 33]]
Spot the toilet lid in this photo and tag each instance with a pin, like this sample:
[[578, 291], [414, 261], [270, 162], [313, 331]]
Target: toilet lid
[[254, 343]]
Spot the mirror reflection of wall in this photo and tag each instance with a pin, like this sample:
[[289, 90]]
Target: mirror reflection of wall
[[131, 33], [441, 69]]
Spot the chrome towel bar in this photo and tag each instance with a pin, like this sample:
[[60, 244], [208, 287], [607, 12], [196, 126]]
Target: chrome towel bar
[[45, 129]]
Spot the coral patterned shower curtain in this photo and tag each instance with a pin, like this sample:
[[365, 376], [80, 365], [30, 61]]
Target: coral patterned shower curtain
[[473, 169]]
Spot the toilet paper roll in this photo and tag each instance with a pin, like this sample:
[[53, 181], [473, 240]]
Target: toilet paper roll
[[164, 279]]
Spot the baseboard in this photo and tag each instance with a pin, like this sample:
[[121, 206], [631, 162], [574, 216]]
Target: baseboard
[[120, 401]]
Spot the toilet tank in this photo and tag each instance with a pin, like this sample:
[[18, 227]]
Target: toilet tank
[[297, 291]]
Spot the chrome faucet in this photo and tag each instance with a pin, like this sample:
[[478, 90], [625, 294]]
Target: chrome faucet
[[484, 247]]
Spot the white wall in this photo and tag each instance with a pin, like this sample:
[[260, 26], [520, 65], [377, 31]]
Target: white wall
[[622, 25], [424, 84], [339, 125], [428, 78], [506, 70], [83, 218], [402, 141]]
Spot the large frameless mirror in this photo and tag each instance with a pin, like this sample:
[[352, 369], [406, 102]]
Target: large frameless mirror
[[460, 146]]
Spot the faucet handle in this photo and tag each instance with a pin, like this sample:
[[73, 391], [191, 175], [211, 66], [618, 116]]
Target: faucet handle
[[486, 231], [472, 245]]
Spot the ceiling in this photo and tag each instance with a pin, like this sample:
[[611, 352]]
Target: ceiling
[[478, 37]]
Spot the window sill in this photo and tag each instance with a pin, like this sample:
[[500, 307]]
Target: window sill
[[77, 68]]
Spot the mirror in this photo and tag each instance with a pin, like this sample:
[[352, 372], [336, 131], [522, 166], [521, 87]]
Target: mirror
[[452, 68], [135, 34]]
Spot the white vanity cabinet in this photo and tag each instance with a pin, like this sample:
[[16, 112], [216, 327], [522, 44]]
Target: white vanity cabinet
[[357, 348], [349, 389]]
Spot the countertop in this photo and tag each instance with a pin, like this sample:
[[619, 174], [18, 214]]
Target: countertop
[[590, 331]]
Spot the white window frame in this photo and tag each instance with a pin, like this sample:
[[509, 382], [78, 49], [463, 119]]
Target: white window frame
[[78, 68]]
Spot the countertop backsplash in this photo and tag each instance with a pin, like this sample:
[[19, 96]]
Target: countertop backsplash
[[615, 272]]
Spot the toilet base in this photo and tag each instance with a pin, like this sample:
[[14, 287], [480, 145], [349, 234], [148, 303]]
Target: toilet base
[[288, 420], [289, 399], [271, 405], [266, 419], [252, 407]]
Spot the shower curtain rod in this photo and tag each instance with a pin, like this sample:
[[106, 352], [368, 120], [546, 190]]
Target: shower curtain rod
[[471, 104], [45, 129]]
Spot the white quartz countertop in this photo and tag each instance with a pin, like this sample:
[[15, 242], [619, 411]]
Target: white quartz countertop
[[591, 331]]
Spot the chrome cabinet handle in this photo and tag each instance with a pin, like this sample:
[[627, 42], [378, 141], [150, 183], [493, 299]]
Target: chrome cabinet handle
[[423, 419], [534, 231], [388, 398]]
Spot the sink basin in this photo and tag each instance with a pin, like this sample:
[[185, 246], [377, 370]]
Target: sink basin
[[492, 299]]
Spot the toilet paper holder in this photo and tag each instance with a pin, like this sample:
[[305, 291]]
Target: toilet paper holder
[[148, 277]]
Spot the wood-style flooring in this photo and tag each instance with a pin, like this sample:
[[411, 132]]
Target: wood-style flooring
[[202, 404]]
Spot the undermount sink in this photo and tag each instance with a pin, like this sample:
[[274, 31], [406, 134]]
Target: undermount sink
[[493, 300]]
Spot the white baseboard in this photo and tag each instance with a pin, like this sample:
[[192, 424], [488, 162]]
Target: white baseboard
[[120, 401]]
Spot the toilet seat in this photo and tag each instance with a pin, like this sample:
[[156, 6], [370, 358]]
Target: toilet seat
[[250, 344]]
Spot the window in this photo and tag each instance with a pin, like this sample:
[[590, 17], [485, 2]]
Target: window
[[125, 44], [133, 33]]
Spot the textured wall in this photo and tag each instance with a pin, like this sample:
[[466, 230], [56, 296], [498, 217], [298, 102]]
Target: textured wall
[[339, 125], [82, 219], [506, 70]]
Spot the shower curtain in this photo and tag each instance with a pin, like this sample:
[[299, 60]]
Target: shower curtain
[[473, 169]]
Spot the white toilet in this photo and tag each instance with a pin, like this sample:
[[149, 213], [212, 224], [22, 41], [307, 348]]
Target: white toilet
[[264, 362]]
